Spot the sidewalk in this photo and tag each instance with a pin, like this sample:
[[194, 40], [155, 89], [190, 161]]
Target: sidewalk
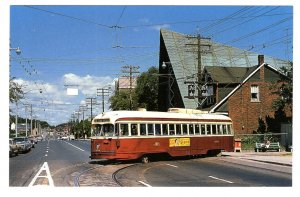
[[278, 158]]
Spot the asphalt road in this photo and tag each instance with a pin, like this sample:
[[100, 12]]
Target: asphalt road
[[67, 164], [201, 172], [63, 158]]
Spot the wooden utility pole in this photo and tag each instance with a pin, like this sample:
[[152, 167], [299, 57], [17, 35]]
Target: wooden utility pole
[[131, 70], [103, 92], [89, 101]]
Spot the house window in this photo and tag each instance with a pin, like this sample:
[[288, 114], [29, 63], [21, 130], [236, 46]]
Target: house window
[[254, 93]]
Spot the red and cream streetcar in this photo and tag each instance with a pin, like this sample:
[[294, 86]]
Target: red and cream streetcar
[[127, 135]]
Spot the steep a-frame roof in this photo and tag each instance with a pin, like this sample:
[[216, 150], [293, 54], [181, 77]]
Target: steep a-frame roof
[[181, 52]]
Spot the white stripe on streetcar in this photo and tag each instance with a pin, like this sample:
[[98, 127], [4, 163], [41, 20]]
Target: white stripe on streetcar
[[220, 179], [75, 146], [171, 165], [45, 167], [145, 184]]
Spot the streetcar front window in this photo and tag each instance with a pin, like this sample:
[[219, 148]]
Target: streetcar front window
[[108, 129], [97, 130]]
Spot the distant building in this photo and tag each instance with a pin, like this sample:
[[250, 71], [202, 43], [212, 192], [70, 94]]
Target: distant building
[[218, 78], [123, 83]]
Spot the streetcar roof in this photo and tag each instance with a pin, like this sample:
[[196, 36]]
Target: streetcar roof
[[114, 116]]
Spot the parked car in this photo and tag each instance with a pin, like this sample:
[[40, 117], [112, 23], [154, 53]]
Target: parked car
[[13, 148], [33, 140], [72, 137], [39, 138], [23, 143], [65, 138]]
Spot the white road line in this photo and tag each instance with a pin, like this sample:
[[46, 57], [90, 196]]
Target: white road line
[[171, 165], [75, 146], [45, 167], [145, 184], [220, 179]]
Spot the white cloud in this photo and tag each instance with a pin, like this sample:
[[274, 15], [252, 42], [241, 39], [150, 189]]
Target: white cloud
[[87, 84], [50, 101], [158, 27]]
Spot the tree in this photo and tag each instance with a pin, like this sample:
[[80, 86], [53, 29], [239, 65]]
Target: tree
[[284, 90], [145, 95], [121, 100], [147, 89], [15, 91]]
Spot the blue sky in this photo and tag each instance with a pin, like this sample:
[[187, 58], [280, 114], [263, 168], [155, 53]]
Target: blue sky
[[88, 45]]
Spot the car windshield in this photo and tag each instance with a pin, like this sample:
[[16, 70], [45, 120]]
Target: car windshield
[[20, 139]]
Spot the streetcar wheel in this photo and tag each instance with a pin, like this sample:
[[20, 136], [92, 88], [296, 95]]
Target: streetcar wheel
[[145, 159]]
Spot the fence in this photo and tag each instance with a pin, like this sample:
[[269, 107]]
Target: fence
[[249, 140]]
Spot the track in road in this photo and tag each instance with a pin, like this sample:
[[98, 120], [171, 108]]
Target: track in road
[[200, 172]]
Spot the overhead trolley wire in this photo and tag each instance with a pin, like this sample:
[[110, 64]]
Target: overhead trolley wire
[[71, 17]]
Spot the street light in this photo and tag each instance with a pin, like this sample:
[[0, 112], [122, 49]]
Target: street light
[[169, 71], [18, 51]]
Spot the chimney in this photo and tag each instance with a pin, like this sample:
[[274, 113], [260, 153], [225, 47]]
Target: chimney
[[261, 59]]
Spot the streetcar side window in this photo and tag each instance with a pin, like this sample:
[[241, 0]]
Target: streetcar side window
[[208, 129], [157, 129], [214, 129], [124, 129], [117, 129], [134, 129], [178, 129], [165, 129], [142, 129], [172, 129], [150, 129], [191, 129], [184, 129], [229, 129], [203, 129], [224, 129], [220, 129], [197, 129]]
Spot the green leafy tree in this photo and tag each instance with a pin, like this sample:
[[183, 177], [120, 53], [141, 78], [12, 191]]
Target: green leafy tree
[[284, 90], [147, 89], [121, 100], [145, 95], [15, 91]]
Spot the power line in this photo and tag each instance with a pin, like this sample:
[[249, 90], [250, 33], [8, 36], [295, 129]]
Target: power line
[[71, 17]]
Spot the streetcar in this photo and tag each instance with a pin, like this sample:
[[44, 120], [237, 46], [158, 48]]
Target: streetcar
[[131, 135]]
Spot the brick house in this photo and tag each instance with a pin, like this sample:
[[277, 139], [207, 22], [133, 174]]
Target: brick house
[[250, 102], [228, 80]]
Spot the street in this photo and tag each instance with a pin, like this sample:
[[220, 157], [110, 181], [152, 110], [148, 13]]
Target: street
[[67, 164], [203, 172]]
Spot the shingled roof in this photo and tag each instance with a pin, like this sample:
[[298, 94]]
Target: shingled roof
[[228, 64]]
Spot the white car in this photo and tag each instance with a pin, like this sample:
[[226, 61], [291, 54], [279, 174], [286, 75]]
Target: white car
[[65, 138], [72, 137]]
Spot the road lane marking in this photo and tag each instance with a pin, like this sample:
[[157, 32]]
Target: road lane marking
[[145, 184], [74, 146], [45, 167], [171, 165], [220, 179]]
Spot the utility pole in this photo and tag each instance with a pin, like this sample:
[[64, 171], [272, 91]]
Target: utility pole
[[82, 108], [131, 70], [31, 119], [90, 101], [16, 119], [103, 92], [199, 82]]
